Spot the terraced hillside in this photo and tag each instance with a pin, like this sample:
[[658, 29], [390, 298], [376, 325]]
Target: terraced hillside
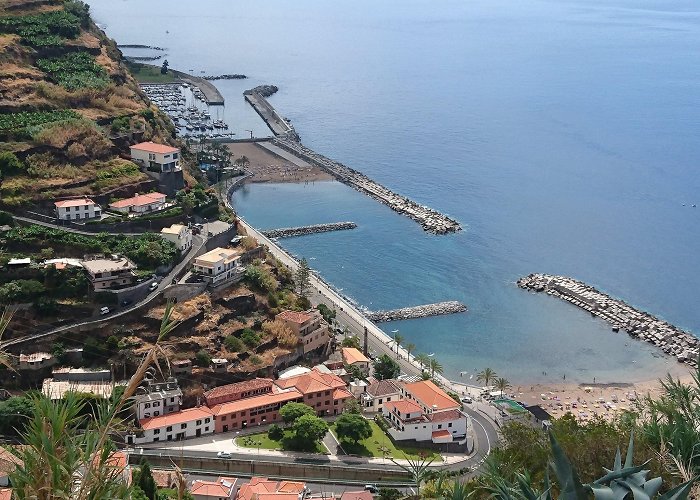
[[68, 108]]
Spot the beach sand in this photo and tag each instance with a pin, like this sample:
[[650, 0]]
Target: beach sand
[[268, 167]]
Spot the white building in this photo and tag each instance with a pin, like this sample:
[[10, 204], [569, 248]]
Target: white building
[[110, 272], [179, 234], [160, 157], [157, 398], [77, 209], [379, 392], [218, 265], [140, 204], [36, 361], [193, 422]]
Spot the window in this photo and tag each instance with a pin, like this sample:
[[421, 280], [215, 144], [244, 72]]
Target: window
[[199, 422], [449, 425], [156, 439], [380, 401], [328, 393], [206, 429], [439, 426], [387, 399], [169, 428], [206, 420], [183, 426], [156, 404], [147, 405], [156, 413], [156, 431], [252, 420], [223, 419]]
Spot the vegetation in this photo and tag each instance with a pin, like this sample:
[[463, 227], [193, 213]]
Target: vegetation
[[302, 277], [74, 70], [147, 73], [26, 119], [286, 442], [353, 341], [43, 30], [260, 278], [308, 429], [290, 412], [202, 358], [386, 368], [487, 375], [352, 427], [275, 432], [379, 445], [283, 333], [250, 338], [327, 313], [233, 344]]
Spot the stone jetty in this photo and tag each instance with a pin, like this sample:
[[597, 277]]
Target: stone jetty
[[429, 219], [415, 312], [234, 76], [288, 232], [139, 46], [621, 316], [277, 124]]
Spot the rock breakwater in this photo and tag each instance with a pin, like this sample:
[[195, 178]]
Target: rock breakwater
[[640, 324], [415, 312], [225, 77], [288, 232], [263, 90], [429, 219]]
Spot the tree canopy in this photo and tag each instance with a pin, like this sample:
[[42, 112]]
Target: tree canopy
[[290, 412], [385, 368], [352, 427]]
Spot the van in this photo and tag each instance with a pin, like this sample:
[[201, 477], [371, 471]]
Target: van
[[104, 310]]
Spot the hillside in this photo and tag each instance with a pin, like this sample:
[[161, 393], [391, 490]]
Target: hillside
[[68, 108]]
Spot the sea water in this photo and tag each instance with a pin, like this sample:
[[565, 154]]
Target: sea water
[[561, 134]]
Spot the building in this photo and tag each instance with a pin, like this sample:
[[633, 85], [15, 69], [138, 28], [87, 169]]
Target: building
[[36, 361], [426, 413], [77, 209], [193, 422], [239, 390], [309, 326], [156, 157], [223, 488], [153, 399], [357, 495], [218, 266], [179, 234], [262, 488], [324, 392], [181, 366], [112, 272], [8, 464], [258, 410], [379, 392], [353, 357], [140, 204], [5, 493], [539, 416], [82, 380]]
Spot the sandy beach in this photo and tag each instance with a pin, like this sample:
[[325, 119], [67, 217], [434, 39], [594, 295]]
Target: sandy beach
[[269, 167]]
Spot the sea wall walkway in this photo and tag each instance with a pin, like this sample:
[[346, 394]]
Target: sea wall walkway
[[211, 93], [277, 124], [288, 232], [671, 339]]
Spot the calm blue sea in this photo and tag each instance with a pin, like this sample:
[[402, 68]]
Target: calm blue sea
[[562, 134]]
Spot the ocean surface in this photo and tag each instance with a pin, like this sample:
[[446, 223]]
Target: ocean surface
[[563, 135]]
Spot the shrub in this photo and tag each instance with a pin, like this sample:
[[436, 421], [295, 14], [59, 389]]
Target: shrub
[[275, 432], [202, 358], [260, 278], [256, 360], [6, 219], [75, 70], [250, 338], [233, 344], [20, 291], [279, 330], [45, 29], [10, 164]]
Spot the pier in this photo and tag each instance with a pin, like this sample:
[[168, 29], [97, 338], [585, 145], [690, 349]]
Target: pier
[[415, 312], [288, 232], [621, 316], [287, 139], [211, 93]]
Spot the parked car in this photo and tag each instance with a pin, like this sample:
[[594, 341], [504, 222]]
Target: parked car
[[467, 399], [153, 286], [372, 488], [104, 310], [223, 454]]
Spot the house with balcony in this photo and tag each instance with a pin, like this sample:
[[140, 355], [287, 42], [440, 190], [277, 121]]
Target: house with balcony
[[77, 209], [109, 272], [183, 424], [140, 204], [239, 390], [219, 266], [156, 157], [253, 411], [309, 326], [324, 392], [179, 234], [378, 393], [153, 399]]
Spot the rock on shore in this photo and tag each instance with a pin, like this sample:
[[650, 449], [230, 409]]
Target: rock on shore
[[304, 230], [424, 311]]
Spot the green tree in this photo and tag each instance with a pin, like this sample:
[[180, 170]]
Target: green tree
[[290, 412], [398, 338], [94, 350], [309, 429], [352, 427], [164, 68], [327, 313], [435, 367], [487, 375], [10, 164], [233, 344], [385, 368], [145, 480], [423, 359], [202, 358], [410, 347], [389, 494], [352, 406], [302, 279], [275, 432], [502, 384], [353, 341], [250, 338], [14, 413]]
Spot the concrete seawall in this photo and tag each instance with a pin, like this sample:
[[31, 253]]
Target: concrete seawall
[[276, 123], [211, 93], [288, 232], [415, 312], [671, 339]]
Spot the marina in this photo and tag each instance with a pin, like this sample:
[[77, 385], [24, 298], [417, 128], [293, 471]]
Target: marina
[[621, 316]]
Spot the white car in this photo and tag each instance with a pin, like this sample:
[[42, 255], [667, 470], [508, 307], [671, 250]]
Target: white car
[[223, 454], [104, 310], [153, 286]]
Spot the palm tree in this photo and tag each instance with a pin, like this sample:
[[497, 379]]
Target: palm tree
[[418, 468], [423, 359], [486, 375], [502, 384], [435, 367], [398, 338], [409, 349]]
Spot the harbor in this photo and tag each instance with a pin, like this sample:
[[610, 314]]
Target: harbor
[[416, 312], [289, 232], [621, 316]]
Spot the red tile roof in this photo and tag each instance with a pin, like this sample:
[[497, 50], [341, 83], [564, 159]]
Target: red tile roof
[[152, 147], [352, 355], [79, 202], [139, 200], [404, 406], [255, 402], [380, 388], [222, 488], [443, 416], [431, 395], [313, 381], [341, 394], [294, 317], [357, 495], [237, 388], [5, 493], [441, 434], [179, 417]]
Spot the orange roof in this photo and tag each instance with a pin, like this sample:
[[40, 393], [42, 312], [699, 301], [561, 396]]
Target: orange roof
[[431, 395], [313, 381], [356, 495], [441, 434], [153, 147], [290, 487], [261, 488], [277, 496], [222, 488], [404, 406], [238, 387], [5, 493], [256, 486], [255, 402], [352, 355], [8, 462], [78, 202], [341, 394], [179, 417], [139, 200], [294, 317]]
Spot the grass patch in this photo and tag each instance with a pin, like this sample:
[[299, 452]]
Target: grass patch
[[263, 441], [147, 73], [75, 70], [372, 446], [48, 29], [15, 121]]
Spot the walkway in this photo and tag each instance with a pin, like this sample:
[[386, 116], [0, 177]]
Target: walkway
[[55, 225]]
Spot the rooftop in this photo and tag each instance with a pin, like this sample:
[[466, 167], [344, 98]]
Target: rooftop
[[441, 434], [179, 417], [139, 200], [35, 356], [174, 229], [352, 355], [443, 416], [5, 493], [312, 381], [153, 147], [214, 256], [220, 488], [256, 402], [380, 388], [77, 202], [404, 406], [431, 395], [104, 265], [238, 387], [357, 495], [294, 317], [538, 412]]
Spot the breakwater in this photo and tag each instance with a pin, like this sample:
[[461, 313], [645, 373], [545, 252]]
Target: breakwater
[[429, 219], [288, 232], [138, 46], [225, 77], [212, 95], [278, 125], [415, 312], [640, 324]]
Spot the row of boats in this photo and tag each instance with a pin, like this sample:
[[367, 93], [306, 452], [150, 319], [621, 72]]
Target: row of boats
[[190, 120]]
